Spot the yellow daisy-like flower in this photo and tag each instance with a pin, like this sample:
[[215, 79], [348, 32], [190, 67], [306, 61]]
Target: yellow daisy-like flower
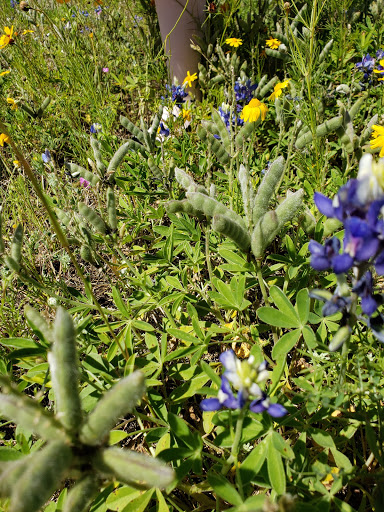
[[189, 79], [5, 72], [4, 139], [186, 115], [277, 90], [28, 32], [12, 102], [6, 38], [234, 41], [254, 110], [378, 139], [273, 43]]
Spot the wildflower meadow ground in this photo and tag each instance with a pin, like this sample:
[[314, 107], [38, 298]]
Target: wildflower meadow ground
[[192, 301]]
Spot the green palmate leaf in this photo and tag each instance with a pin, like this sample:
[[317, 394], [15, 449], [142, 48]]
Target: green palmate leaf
[[302, 305], [285, 344], [64, 372], [41, 476], [80, 496], [277, 318], [224, 489], [117, 402], [251, 504], [276, 471], [322, 438], [282, 446], [140, 503], [133, 468], [283, 303]]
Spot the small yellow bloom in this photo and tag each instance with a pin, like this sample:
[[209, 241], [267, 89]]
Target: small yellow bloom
[[378, 139], [91, 35], [273, 43], [329, 478], [254, 110], [12, 102], [6, 38], [16, 163], [4, 139], [189, 79], [28, 32], [5, 72], [277, 89], [186, 115], [234, 41]]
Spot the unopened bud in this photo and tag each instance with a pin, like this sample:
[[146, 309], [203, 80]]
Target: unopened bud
[[24, 6]]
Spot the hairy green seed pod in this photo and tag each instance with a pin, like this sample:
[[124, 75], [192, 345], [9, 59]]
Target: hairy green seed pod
[[267, 188], [133, 468], [325, 51], [115, 404], [86, 254], [86, 234], [28, 110], [366, 133], [245, 132], [330, 226], [65, 372], [155, 126], [217, 148], [17, 242], [93, 218], [11, 472], [341, 337], [277, 55], [345, 139], [62, 216], [211, 207], [155, 170], [223, 60], [136, 132], [11, 264], [273, 222], [111, 209], [304, 139], [78, 170], [323, 129], [187, 182], [81, 495], [43, 107], [216, 80], [247, 191], [38, 324], [353, 111], [221, 129], [271, 84], [146, 135], [41, 477], [232, 230], [183, 206], [280, 37], [95, 144], [119, 156], [299, 17], [27, 413], [263, 81]]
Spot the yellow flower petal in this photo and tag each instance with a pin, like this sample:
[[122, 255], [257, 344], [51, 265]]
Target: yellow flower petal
[[234, 41], [189, 79], [273, 43]]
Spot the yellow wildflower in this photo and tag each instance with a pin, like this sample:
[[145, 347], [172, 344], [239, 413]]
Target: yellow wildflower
[[254, 110], [12, 102], [378, 139], [189, 79], [273, 43], [28, 32], [6, 38], [186, 115], [17, 164], [234, 41], [4, 139], [277, 89], [329, 478], [5, 72]]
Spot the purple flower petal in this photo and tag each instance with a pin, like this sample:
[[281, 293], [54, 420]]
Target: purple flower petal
[[324, 204], [277, 411], [210, 404]]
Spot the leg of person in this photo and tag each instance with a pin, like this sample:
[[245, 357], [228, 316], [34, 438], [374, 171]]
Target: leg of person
[[180, 21]]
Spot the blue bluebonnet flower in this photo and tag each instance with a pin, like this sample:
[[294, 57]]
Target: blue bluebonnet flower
[[98, 10], [46, 156], [380, 54], [359, 205], [366, 65], [14, 3], [178, 93], [224, 111], [245, 377], [96, 128], [163, 130], [244, 89]]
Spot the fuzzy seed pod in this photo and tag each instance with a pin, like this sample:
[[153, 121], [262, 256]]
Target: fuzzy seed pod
[[17, 242], [232, 230], [93, 218], [77, 170], [80, 496]]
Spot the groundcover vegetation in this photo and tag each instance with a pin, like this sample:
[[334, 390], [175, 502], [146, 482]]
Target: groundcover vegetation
[[191, 308]]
